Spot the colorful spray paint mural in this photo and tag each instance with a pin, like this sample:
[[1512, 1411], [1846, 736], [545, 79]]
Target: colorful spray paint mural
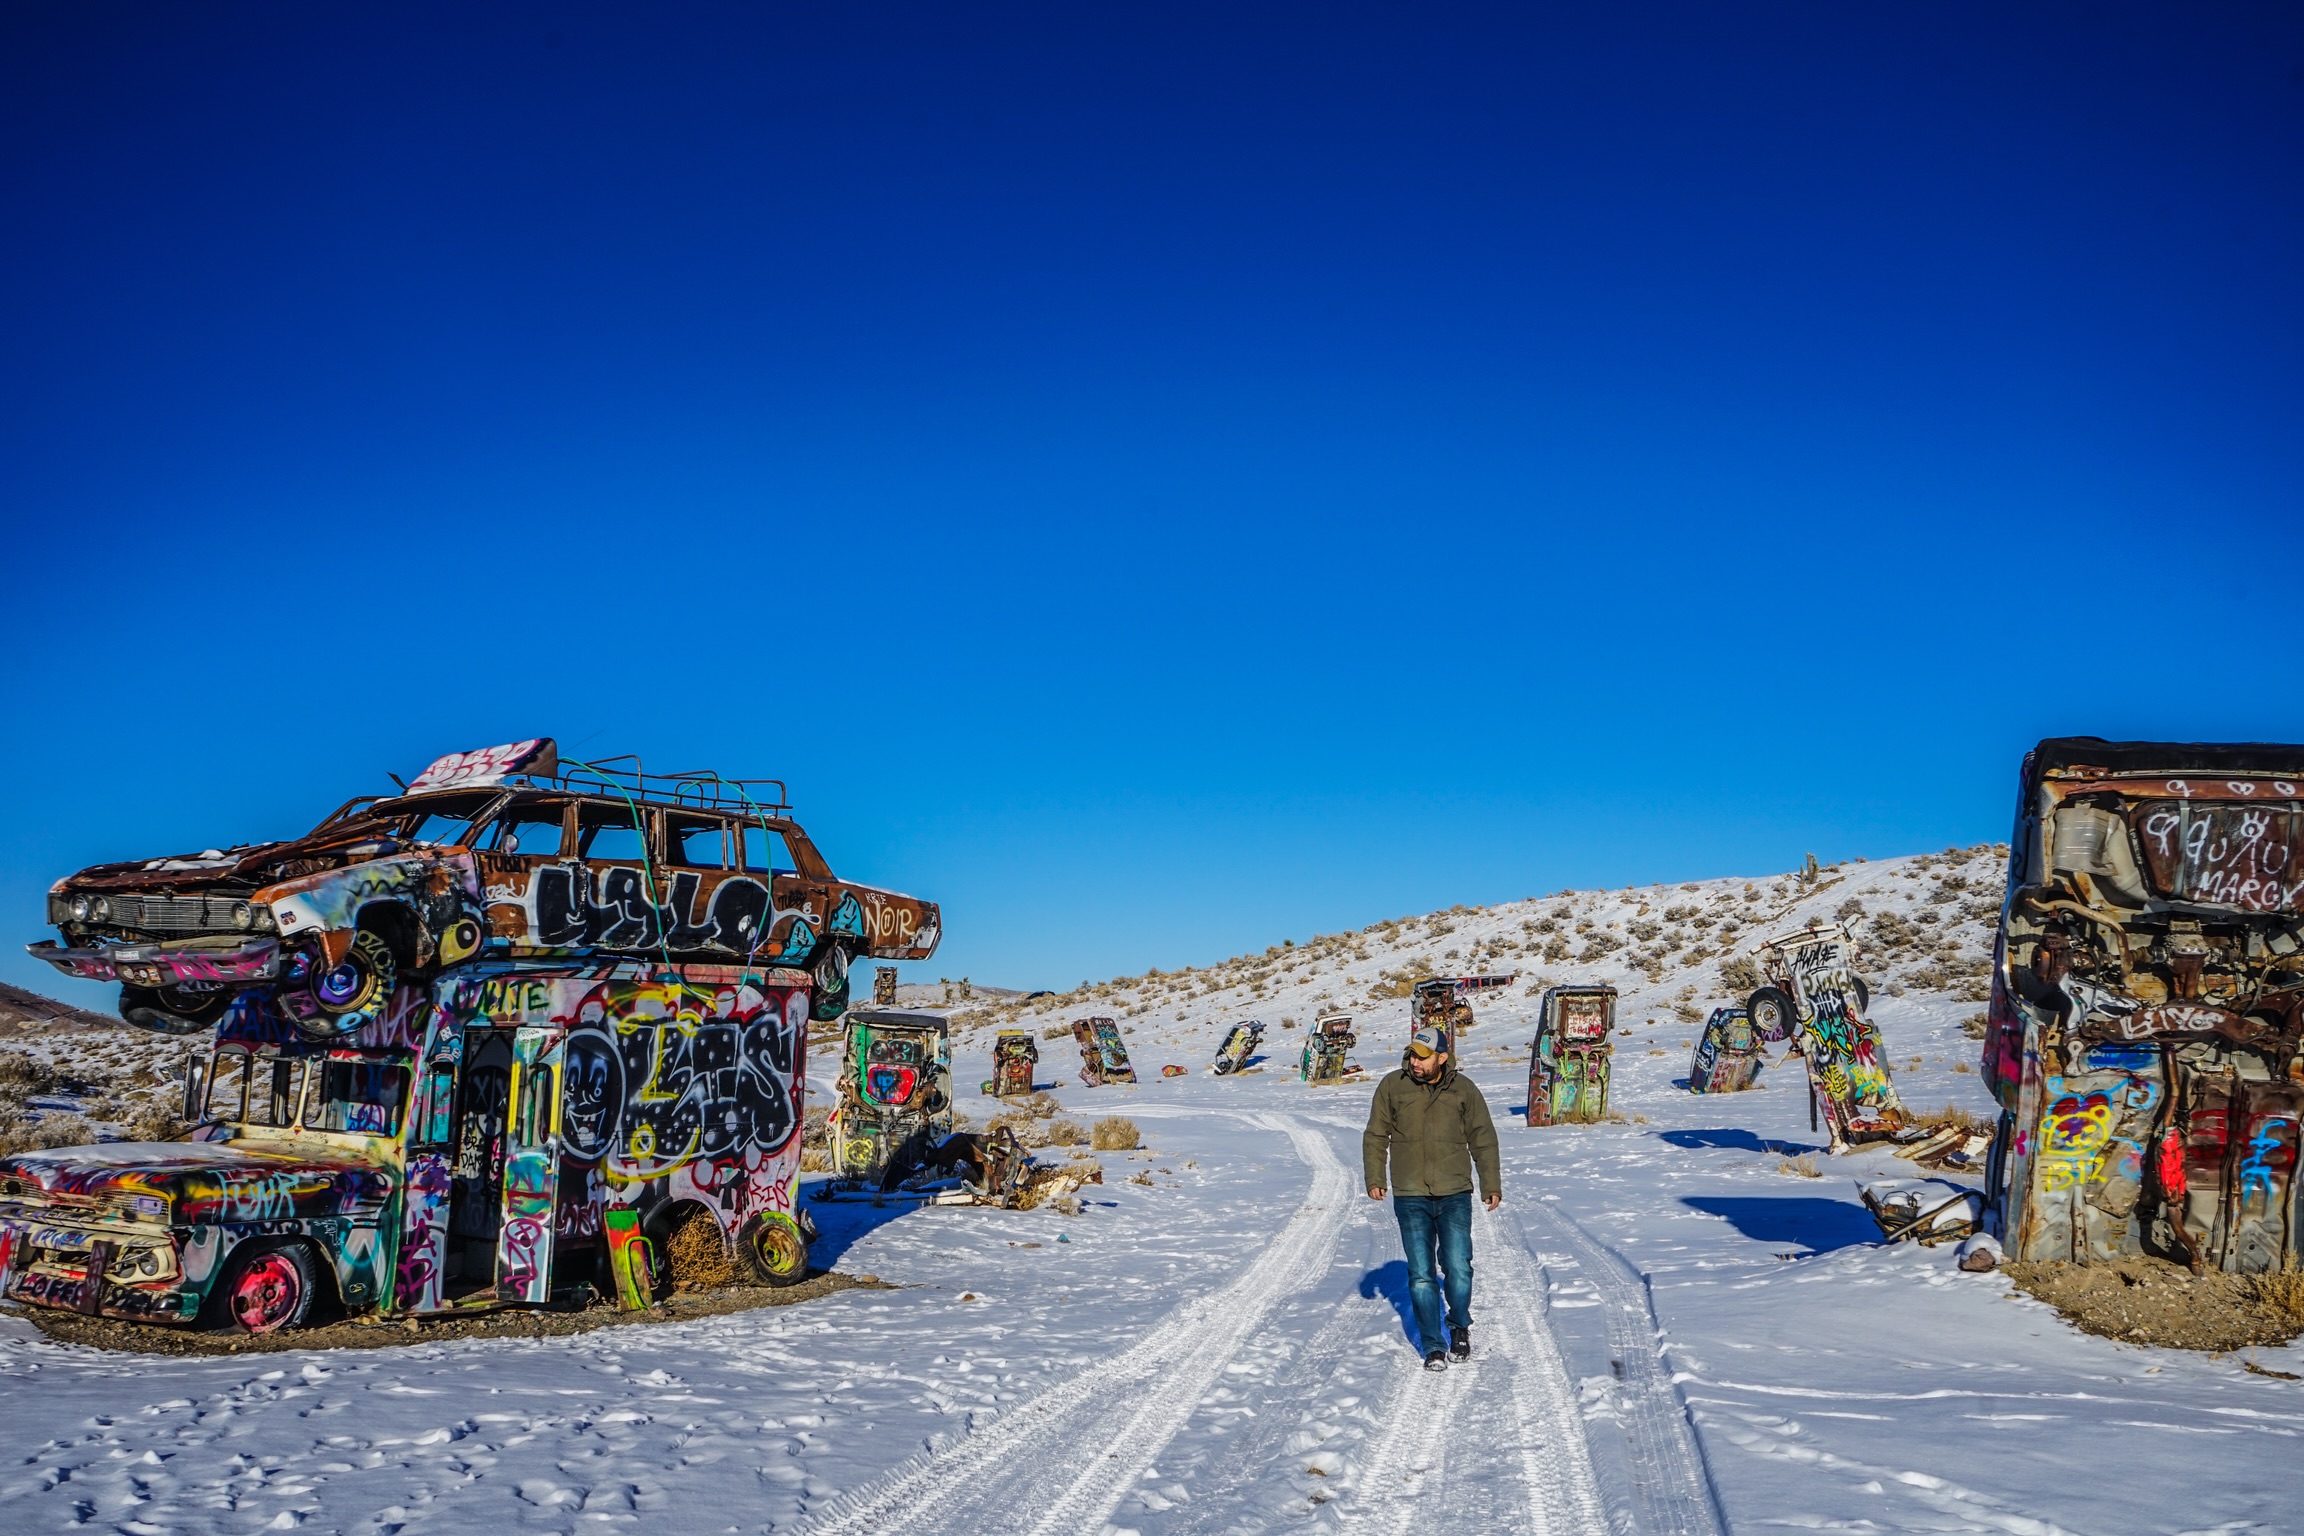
[[504, 853], [1240, 1042], [1812, 987], [1103, 1055], [1014, 1054], [1568, 1061], [2148, 1005], [895, 1094], [464, 1148], [1728, 1056]]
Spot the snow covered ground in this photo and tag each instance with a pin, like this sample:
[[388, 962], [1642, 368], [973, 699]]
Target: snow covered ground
[[1674, 1333]]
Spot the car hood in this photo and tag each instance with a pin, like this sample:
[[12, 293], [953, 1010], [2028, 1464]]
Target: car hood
[[204, 1180], [244, 867]]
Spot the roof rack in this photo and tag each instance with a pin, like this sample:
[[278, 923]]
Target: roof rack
[[696, 789]]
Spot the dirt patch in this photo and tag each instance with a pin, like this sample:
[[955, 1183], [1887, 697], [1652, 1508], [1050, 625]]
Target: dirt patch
[[388, 1333], [2150, 1301]]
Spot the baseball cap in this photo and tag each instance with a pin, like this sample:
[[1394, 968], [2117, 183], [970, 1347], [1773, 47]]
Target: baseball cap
[[1431, 1040]]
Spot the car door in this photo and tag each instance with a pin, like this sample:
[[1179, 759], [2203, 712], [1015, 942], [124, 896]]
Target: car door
[[513, 851], [531, 1169], [623, 911]]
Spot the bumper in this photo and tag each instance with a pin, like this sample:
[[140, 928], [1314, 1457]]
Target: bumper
[[165, 965], [77, 1271]]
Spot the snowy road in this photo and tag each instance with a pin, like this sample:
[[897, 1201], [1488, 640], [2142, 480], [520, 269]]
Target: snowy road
[[1673, 1336]]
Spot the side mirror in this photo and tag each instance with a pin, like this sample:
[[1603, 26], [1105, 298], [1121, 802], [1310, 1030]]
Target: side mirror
[[195, 1089]]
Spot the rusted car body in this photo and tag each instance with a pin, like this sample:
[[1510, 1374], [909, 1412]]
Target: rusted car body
[[1447, 1000], [1325, 1049], [895, 1093], [1727, 1058], [1014, 1054], [503, 854], [1103, 1054], [1569, 1060], [2147, 1005], [1813, 995], [504, 1135]]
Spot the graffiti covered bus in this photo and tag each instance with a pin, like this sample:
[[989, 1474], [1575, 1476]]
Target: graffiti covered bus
[[507, 1135]]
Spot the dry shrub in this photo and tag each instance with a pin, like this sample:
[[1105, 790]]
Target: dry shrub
[[23, 1075], [697, 1254], [2282, 1293], [46, 1132], [1115, 1133], [1064, 1133], [815, 1160], [157, 1120], [1803, 1166], [1739, 975], [812, 1128], [1954, 1116]]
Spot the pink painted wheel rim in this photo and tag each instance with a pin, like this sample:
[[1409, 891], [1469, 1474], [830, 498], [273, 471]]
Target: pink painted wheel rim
[[265, 1295]]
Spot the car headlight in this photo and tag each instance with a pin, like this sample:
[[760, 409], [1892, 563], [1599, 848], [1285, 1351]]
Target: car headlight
[[260, 918], [243, 915], [81, 908], [98, 909]]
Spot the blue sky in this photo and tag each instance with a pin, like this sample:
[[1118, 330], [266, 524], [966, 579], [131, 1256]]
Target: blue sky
[[1160, 479]]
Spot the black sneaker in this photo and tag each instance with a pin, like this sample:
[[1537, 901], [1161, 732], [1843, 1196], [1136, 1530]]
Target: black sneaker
[[1459, 1343], [1435, 1361]]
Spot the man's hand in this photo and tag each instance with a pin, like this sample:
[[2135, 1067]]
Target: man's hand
[[1375, 1191], [1492, 1199]]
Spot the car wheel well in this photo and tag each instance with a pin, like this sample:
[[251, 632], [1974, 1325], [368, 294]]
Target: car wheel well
[[397, 926]]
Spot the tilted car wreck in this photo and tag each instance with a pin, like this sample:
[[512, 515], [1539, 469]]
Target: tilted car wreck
[[502, 854], [1326, 1048], [1103, 1054], [1813, 995], [2148, 1003], [432, 1088], [1728, 1055]]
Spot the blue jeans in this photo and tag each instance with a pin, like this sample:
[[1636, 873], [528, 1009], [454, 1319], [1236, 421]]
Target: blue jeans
[[1437, 1226]]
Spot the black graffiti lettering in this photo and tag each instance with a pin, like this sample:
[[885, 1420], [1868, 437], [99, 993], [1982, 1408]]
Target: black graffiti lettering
[[686, 934], [739, 908]]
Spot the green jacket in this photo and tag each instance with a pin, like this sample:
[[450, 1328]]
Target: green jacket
[[1433, 1134]]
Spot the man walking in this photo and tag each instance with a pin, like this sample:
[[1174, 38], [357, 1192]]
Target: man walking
[[1429, 1121]]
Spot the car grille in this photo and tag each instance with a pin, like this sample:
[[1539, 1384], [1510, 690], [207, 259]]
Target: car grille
[[112, 1206], [182, 914]]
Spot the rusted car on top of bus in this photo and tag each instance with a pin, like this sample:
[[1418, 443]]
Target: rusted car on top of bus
[[506, 853], [2148, 1005]]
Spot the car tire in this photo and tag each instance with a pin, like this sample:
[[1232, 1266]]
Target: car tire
[[160, 1010], [775, 1249], [1773, 1014], [337, 999], [266, 1288], [830, 969]]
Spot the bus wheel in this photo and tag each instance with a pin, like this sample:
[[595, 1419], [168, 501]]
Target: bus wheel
[[268, 1289], [774, 1249]]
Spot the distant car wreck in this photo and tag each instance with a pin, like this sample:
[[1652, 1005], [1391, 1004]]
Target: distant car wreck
[[1568, 1061], [895, 1094], [1103, 1055], [1728, 1054], [1325, 1049], [2147, 1005], [1239, 1045], [1446, 1001], [1014, 1054]]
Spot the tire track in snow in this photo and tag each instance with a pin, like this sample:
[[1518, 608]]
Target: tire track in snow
[[1129, 1407], [1672, 1493], [1546, 1434]]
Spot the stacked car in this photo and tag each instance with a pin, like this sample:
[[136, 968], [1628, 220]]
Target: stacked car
[[490, 1041]]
